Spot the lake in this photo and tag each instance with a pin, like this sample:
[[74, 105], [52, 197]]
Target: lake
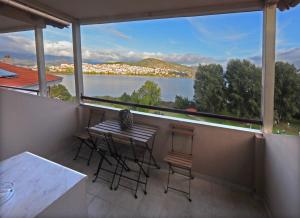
[[115, 86]]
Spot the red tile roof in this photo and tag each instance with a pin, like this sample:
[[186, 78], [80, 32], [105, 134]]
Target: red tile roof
[[25, 77]]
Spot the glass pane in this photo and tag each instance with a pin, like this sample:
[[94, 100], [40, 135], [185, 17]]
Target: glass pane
[[287, 73]]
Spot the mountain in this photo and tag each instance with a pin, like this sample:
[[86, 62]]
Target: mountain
[[156, 63], [28, 59]]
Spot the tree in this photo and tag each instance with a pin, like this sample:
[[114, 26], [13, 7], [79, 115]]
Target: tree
[[287, 91], [182, 102], [125, 97], [60, 92], [243, 88], [148, 94], [209, 88]]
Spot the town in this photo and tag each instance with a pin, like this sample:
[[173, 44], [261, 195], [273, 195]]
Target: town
[[118, 69]]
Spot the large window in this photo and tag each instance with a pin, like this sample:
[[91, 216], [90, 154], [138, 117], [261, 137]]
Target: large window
[[18, 63], [17, 56], [209, 64]]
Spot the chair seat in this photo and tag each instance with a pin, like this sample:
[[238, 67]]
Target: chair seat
[[82, 135], [179, 159]]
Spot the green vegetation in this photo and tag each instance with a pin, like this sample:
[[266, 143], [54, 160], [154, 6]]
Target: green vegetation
[[60, 92], [183, 102], [237, 92], [287, 92], [234, 92], [209, 88], [152, 62]]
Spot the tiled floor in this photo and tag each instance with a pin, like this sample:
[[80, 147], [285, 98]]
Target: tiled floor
[[208, 199]]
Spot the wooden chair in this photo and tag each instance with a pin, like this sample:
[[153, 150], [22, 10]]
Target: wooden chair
[[180, 159], [85, 138]]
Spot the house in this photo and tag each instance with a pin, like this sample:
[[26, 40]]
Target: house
[[21, 77]]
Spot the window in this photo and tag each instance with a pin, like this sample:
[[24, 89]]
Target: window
[[207, 64], [16, 54], [59, 63], [18, 67], [287, 73]]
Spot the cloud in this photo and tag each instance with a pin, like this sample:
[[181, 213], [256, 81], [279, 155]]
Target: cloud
[[131, 56], [59, 48], [16, 43], [291, 55], [118, 33], [219, 34], [21, 44]]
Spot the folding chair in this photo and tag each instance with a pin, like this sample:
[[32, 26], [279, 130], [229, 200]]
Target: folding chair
[[85, 138], [113, 152], [130, 152], [180, 159]]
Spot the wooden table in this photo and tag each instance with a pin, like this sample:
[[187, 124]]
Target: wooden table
[[139, 133]]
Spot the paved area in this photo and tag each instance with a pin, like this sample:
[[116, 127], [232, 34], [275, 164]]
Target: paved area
[[208, 199]]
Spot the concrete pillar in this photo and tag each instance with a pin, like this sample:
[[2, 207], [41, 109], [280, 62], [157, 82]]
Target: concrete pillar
[[268, 67], [40, 57], [77, 60]]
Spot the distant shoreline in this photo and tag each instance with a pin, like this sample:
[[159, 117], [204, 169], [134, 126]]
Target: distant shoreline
[[128, 75]]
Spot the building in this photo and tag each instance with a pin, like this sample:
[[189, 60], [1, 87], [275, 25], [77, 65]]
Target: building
[[21, 77]]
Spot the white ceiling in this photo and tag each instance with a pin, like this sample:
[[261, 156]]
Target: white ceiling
[[103, 11]]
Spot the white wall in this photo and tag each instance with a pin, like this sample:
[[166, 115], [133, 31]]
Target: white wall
[[45, 126], [282, 175], [221, 153], [32, 123]]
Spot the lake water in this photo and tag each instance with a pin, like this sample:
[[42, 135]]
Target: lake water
[[115, 86]]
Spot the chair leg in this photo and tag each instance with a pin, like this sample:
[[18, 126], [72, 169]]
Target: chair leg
[[90, 157], [113, 178], [78, 151], [190, 178], [121, 173], [145, 173], [166, 191], [137, 183], [98, 169]]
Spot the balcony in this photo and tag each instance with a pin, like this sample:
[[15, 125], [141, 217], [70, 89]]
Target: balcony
[[228, 163], [237, 172]]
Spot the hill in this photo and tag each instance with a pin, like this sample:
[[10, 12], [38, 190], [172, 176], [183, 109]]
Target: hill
[[156, 63]]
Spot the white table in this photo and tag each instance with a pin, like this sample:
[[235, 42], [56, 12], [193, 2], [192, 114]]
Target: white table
[[42, 188]]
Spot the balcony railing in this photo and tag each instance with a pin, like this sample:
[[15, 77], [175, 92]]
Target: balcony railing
[[173, 110]]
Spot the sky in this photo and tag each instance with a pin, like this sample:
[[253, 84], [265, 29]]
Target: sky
[[188, 40]]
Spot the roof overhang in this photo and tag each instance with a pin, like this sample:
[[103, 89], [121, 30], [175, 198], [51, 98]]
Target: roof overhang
[[57, 12], [103, 11], [16, 16]]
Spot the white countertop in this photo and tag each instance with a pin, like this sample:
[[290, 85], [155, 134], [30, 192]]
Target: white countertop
[[38, 183]]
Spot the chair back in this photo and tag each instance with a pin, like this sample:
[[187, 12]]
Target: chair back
[[182, 137], [95, 117]]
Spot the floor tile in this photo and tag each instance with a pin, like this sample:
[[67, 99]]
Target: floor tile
[[208, 199]]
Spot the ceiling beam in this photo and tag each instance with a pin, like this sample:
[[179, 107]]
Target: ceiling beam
[[49, 19], [43, 7], [20, 15], [16, 29]]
